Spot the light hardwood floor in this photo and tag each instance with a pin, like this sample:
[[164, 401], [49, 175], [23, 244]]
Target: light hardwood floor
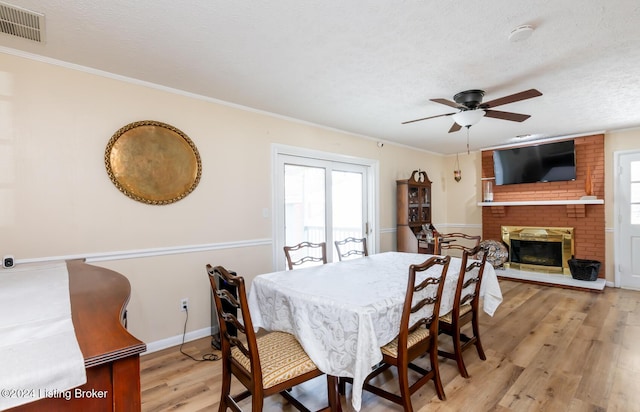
[[548, 349]]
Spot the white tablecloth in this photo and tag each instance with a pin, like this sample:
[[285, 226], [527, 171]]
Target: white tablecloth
[[39, 352], [343, 312]]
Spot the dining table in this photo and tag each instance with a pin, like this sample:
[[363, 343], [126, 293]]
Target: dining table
[[342, 313]]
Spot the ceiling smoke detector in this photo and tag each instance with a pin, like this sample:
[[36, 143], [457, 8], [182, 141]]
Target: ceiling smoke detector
[[23, 23], [520, 33]]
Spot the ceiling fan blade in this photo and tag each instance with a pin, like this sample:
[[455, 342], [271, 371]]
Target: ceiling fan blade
[[514, 117], [446, 102], [527, 94], [455, 127], [430, 117]]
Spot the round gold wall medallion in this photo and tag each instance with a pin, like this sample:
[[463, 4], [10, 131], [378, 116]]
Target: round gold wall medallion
[[153, 162]]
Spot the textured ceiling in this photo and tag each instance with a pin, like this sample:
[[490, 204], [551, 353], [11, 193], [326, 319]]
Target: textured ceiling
[[365, 66]]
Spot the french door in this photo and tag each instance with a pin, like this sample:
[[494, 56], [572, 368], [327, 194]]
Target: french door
[[320, 199], [628, 222]]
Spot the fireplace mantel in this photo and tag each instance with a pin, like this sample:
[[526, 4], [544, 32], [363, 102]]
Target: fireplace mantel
[[545, 202], [575, 208]]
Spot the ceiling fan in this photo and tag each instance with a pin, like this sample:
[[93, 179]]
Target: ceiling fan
[[471, 108]]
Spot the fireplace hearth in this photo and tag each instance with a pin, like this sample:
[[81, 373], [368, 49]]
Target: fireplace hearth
[[539, 249]]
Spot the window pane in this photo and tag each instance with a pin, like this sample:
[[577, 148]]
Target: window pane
[[635, 171], [635, 192], [347, 205], [304, 204], [635, 214]]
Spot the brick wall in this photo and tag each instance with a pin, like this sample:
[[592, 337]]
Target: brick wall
[[587, 221]]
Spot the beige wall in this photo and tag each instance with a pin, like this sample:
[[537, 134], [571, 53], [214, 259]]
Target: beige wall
[[462, 211], [57, 200]]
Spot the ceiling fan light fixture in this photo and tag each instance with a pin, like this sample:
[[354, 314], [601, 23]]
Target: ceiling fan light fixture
[[468, 118]]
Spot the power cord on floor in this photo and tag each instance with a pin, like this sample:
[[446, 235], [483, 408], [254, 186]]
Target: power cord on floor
[[206, 356]]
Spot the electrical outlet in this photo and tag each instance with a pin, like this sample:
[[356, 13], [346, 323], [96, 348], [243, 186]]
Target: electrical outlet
[[7, 261], [184, 304]]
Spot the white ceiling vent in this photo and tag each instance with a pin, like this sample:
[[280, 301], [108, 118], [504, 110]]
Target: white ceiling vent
[[20, 22]]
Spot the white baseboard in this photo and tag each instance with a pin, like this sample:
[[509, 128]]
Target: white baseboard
[[177, 340]]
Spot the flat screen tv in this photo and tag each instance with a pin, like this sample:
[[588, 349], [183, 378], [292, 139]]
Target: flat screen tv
[[547, 162]]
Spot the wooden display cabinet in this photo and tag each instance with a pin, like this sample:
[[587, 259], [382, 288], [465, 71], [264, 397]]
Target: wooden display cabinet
[[414, 214]]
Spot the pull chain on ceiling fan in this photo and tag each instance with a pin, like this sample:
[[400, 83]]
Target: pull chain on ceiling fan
[[472, 110], [468, 127]]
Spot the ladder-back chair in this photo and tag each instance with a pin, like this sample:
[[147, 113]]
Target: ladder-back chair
[[305, 252], [351, 246], [465, 309], [418, 334], [454, 241], [266, 365]]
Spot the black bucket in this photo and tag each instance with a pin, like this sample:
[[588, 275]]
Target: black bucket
[[584, 269]]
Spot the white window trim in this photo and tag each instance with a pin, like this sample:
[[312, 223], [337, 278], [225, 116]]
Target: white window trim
[[372, 190]]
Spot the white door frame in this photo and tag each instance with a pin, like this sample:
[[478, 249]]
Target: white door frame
[[373, 178], [618, 241]]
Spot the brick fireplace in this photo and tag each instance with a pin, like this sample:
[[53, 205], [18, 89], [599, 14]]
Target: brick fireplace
[[586, 220]]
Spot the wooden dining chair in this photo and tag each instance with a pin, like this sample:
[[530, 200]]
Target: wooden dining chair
[[465, 309], [351, 246], [418, 334], [266, 365], [305, 252], [454, 241]]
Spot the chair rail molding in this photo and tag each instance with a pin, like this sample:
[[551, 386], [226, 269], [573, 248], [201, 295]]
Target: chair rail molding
[[142, 253]]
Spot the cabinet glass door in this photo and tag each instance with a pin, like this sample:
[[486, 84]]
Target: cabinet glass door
[[414, 204]]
